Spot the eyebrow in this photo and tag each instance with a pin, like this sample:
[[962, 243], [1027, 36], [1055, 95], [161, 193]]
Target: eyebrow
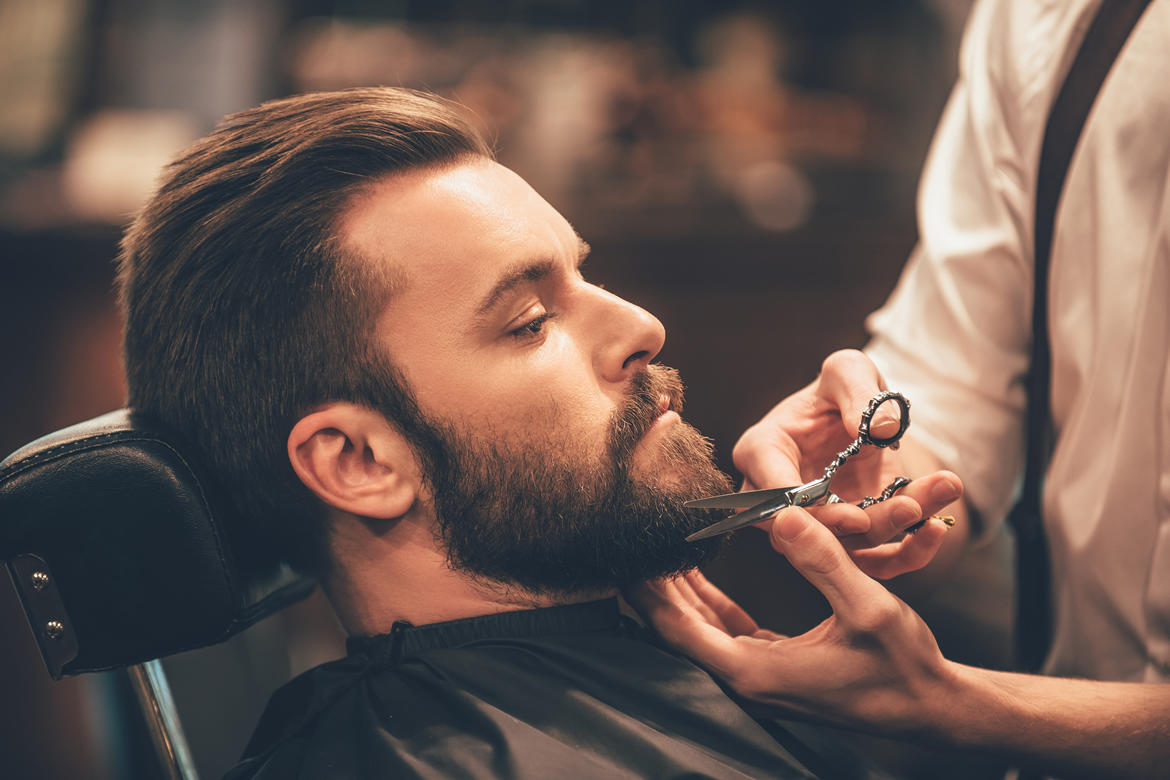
[[529, 272]]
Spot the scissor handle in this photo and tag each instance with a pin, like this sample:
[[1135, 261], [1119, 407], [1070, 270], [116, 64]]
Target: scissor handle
[[863, 432]]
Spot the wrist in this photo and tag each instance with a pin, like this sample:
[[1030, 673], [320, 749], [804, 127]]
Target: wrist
[[979, 709], [946, 706]]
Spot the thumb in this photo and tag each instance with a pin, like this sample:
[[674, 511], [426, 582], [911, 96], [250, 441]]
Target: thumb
[[849, 380], [813, 551]]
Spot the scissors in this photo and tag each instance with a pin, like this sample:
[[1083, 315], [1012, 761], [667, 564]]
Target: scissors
[[765, 503]]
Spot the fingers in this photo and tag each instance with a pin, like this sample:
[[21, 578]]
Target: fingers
[[659, 603], [843, 519], [686, 592], [682, 627], [734, 619], [695, 591], [847, 521], [849, 380], [887, 520], [819, 557], [767, 456], [923, 497], [935, 492], [911, 553], [772, 452]]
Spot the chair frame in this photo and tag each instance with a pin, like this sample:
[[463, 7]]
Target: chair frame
[[37, 591], [118, 521]]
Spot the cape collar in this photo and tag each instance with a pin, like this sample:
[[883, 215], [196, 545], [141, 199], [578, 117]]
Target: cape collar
[[405, 639]]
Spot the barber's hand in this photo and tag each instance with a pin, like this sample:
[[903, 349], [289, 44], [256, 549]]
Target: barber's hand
[[794, 442], [873, 663]]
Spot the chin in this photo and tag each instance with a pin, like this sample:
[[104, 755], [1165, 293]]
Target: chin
[[668, 479]]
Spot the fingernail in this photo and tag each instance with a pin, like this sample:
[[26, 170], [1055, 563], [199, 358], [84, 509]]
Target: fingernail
[[791, 524], [945, 491], [885, 423]]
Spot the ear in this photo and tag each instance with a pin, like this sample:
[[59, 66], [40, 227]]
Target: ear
[[356, 461]]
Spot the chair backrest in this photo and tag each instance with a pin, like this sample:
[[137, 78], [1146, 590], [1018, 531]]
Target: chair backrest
[[113, 534]]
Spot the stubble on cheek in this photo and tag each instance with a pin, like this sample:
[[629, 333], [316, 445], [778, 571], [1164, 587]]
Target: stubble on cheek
[[550, 433]]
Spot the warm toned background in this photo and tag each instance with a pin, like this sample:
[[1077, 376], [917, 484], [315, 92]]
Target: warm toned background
[[745, 170]]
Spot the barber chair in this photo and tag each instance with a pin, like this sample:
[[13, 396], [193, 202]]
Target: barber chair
[[112, 532]]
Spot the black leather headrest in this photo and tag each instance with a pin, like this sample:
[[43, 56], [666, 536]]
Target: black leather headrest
[[114, 524]]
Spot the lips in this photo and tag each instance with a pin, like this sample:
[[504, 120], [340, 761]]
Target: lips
[[644, 415], [663, 404], [652, 394]]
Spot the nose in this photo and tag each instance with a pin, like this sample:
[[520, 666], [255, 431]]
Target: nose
[[629, 337]]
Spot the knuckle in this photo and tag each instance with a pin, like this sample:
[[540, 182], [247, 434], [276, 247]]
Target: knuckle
[[745, 455], [744, 449], [758, 443], [752, 682], [844, 362], [878, 617]]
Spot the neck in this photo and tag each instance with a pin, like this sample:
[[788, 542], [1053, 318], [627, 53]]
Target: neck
[[399, 571]]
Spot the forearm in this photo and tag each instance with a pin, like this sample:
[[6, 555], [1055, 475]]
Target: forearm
[[1064, 727]]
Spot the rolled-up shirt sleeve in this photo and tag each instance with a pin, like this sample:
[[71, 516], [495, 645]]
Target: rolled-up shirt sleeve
[[954, 336]]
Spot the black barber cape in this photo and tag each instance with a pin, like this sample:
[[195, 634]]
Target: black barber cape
[[574, 691]]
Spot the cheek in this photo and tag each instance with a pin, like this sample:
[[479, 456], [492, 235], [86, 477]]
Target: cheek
[[548, 395], [549, 410], [549, 400]]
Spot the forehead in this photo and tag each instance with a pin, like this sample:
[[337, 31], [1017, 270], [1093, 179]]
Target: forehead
[[453, 226]]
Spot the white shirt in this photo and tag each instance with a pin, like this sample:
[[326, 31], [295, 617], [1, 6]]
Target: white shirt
[[955, 334]]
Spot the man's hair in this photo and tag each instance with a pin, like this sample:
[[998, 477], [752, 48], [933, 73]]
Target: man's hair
[[243, 309]]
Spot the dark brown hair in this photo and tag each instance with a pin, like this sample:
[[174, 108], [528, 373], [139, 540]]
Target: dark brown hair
[[243, 311]]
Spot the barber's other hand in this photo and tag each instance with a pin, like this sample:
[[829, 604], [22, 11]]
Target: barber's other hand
[[801, 435], [873, 663]]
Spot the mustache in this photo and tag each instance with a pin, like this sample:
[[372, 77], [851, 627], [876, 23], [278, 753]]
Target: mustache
[[648, 391]]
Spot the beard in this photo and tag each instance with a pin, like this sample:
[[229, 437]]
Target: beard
[[542, 518]]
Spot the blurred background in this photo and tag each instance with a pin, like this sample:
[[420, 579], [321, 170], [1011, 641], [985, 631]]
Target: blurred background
[[744, 170]]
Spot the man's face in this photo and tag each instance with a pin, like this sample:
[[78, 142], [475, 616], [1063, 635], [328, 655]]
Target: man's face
[[562, 459]]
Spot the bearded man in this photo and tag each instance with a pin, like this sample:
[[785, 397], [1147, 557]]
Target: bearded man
[[383, 341]]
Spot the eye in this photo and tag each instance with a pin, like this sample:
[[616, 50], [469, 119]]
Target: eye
[[532, 327]]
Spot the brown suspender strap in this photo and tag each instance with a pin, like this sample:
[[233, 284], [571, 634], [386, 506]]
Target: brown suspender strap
[[1103, 41]]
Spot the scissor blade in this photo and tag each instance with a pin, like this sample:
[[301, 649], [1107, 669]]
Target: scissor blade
[[757, 513], [736, 500]]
